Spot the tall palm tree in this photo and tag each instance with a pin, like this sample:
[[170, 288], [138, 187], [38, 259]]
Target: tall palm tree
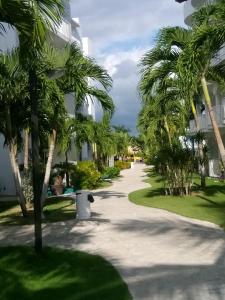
[[195, 62], [82, 76], [78, 70], [161, 63], [33, 19], [13, 112]]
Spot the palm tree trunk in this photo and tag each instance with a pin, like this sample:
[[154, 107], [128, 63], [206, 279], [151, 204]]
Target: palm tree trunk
[[197, 125], [48, 166], [26, 149], [200, 147], [33, 89], [17, 178], [168, 131], [213, 120], [94, 149], [67, 173], [14, 164]]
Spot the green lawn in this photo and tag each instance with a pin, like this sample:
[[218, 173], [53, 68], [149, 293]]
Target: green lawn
[[56, 209], [207, 204], [58, 275]]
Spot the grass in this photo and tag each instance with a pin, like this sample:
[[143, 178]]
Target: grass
[[56, 209], [207, 204], [58, 274]]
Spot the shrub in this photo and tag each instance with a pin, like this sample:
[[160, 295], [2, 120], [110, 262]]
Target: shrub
[[111, 172], [85, 175], [122, 164], [176, 165]]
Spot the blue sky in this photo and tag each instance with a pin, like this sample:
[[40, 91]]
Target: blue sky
[[121, 31]]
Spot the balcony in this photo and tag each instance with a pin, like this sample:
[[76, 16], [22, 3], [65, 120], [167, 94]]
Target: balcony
[[188, 12], [205, 122], [191, 6], [65, 33], [200, 3]]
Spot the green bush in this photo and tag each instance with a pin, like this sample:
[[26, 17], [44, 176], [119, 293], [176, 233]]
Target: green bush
[[122, 164], [111, 172], [85, 175]]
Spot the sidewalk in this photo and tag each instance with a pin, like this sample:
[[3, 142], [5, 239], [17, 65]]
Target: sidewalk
[[160, 255]]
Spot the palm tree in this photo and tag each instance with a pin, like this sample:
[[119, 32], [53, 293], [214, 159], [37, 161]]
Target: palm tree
[[33, 19], [82, 74], [122, 140], [161, 63], [13, 108], [78, 70], [105, 140], [195, 62]]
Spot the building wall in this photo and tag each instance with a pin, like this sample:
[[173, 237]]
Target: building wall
[[7, 186]]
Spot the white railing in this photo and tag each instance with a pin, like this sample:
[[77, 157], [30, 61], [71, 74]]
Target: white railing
[[65, 31], [205, 122], [200, 3]]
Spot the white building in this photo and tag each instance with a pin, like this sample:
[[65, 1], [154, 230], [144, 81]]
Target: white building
[[68, 31], [218, 99]]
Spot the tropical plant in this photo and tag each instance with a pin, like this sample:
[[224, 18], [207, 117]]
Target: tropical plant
[[85, 175], [122, 141], [13, 112], [33, 19], [161, 63], [81, 75], [195, 63], [111, 172], [122, 165]]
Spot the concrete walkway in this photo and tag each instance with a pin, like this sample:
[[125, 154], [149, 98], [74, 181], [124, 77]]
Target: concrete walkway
[[160, 255]]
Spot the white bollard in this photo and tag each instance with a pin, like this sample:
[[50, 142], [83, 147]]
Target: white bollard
[[132, 165], [83, 207]]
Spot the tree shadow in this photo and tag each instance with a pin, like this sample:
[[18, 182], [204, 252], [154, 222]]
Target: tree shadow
[[6, 205], [174, 281], [58, 274], [108, 194], [194, 233]]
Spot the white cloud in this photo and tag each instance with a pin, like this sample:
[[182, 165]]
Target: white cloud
[[110, 21], [121, 32], [112, 62]]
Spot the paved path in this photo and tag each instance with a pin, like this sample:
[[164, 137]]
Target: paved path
[[160, 255]]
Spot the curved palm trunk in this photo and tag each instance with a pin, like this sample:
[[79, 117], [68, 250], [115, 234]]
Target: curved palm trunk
[[213, 120], [200, 147], [26, 149], [168, 131], [67, 173], [195, 115], [48, 167], [33, 89], [17, 178], [12, 155], [94, 150]]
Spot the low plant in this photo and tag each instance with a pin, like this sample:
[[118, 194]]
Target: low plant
[[122, 165], [111, 172], [176, 165], [85, 175]]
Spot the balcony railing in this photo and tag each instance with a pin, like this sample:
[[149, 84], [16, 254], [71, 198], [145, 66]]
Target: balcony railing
[[205, 122], [200, 3]]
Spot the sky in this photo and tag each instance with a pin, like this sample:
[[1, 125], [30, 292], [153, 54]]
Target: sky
[[121, 31]]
